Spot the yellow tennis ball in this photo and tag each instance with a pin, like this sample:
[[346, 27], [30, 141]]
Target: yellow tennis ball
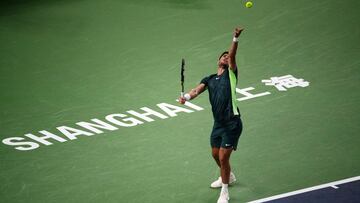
[[249, 4]]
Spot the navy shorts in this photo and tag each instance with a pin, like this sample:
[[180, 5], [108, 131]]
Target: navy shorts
[[226, 134]]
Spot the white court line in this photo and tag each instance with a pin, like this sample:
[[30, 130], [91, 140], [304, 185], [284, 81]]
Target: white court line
[[332, 184]]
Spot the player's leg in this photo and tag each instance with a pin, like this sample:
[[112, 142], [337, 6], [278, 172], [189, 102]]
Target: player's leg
[[215, 142], [229, 143], [215, 155], [218, 183], [224, 157]]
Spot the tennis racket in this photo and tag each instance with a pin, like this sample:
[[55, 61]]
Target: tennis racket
[[182, 77]]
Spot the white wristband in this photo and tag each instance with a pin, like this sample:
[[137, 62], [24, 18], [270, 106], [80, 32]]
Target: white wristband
[[187, 97], [235, 39]]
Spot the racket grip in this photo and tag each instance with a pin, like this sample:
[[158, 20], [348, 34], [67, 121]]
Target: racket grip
[[182, 94]]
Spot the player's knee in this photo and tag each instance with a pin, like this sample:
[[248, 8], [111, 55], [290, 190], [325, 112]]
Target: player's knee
[[224, 160], [215, 155]]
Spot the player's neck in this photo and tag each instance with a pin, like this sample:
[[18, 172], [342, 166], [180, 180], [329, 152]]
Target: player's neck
[[220, 70]]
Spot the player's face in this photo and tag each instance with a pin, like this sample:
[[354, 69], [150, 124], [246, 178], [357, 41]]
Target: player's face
[[224, 60]]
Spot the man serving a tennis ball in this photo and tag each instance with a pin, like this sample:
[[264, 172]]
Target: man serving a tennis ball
[[227, 123]]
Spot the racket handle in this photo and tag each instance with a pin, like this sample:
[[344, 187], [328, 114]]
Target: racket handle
[[182, 94]]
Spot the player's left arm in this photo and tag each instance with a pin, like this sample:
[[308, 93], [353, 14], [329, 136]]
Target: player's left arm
[[233, 48], [192, 94]]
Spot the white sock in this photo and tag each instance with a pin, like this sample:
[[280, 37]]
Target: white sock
[[225, 188]]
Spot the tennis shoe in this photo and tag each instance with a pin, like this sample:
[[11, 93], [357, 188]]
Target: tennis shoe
[[218, 183], [224, 197]]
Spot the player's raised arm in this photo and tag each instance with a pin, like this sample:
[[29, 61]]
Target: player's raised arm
[[233, 48], [192, 94]]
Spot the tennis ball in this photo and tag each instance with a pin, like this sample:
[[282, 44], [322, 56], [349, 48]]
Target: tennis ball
[[249, 4]]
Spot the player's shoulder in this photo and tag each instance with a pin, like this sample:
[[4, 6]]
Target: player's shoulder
[[208, 77], [212, 75], [233, 69]]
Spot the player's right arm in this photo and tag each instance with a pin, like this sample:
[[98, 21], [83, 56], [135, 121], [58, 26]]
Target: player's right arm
[[233, 49], [192, 94]]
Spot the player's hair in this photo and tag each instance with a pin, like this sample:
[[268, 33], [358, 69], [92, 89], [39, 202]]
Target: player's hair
[[225, 52]]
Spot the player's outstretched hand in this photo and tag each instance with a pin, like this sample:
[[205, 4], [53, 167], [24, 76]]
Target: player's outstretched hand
[[238, 31], [182, 100]]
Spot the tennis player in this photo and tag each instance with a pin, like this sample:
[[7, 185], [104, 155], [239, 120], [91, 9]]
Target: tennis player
[[227, 123]]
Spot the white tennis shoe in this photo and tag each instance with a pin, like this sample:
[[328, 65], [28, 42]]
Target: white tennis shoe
[[224, 197], [218, 183]]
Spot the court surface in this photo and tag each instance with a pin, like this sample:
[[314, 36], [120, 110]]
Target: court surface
[[65, 63]]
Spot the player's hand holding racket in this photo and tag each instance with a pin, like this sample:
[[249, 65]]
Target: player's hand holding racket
[[182, 100]]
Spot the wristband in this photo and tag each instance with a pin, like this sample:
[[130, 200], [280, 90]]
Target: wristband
[[235, 39], [187, 97]]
